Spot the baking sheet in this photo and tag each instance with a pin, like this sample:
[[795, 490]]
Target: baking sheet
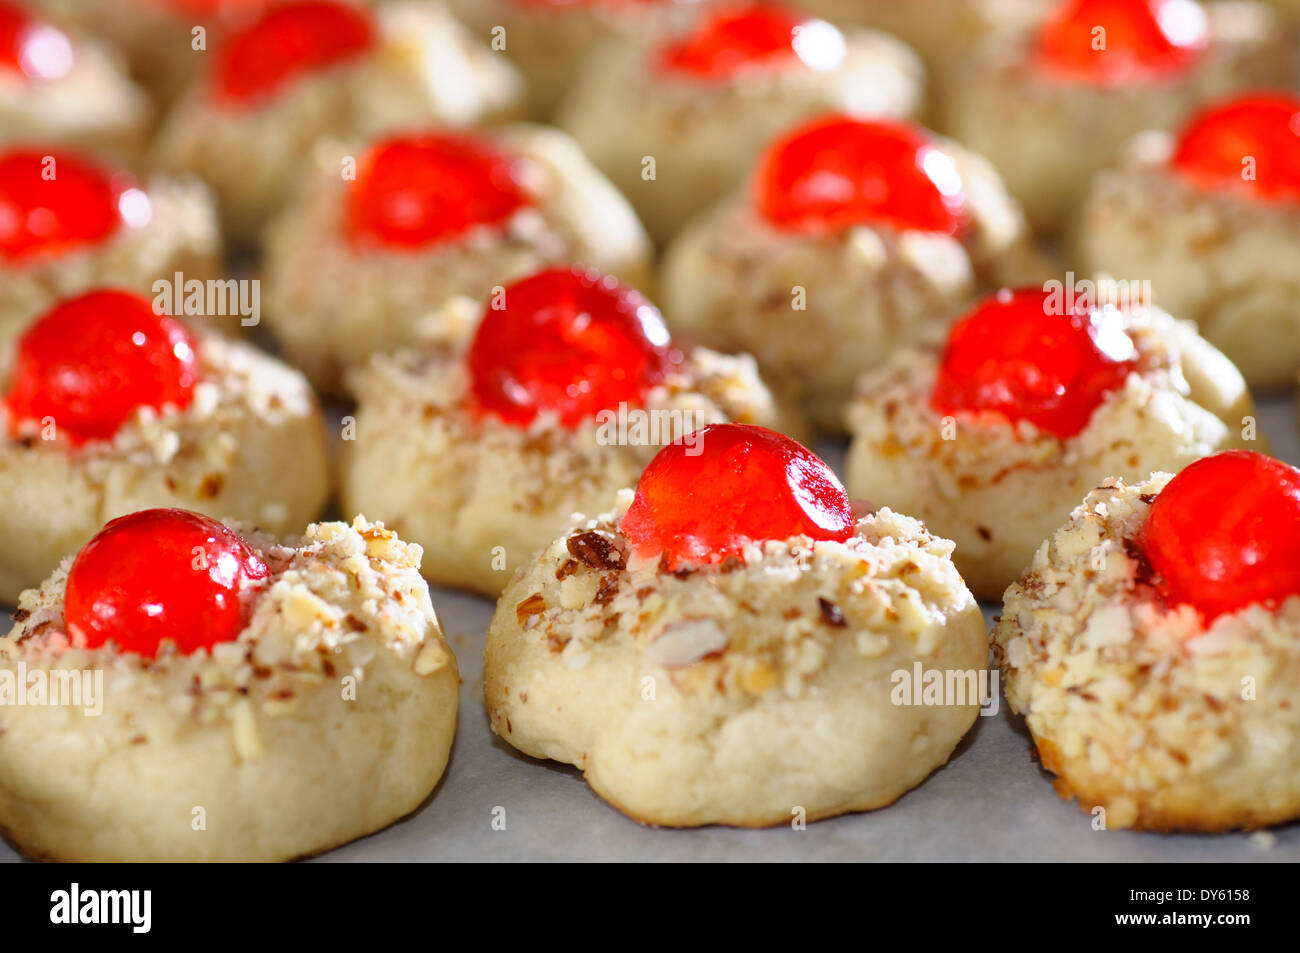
[[991, 802]]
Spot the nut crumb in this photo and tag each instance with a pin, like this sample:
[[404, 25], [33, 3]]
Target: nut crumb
[[832, 614], [594, 550]]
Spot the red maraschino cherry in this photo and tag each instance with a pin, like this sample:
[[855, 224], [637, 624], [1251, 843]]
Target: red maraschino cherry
[[257, 61], [93, 361], [1017, 355], [157, 576], [1250, 143], [54, 202], [730, 486], [413, 191], [837, 172], [1110, 42], [31, 47], [735, 39], [567, 340], [1225, 533]]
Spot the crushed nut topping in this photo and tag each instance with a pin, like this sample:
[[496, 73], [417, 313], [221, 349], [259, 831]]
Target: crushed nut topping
[[595, 550], [533, 605], [832, 614]]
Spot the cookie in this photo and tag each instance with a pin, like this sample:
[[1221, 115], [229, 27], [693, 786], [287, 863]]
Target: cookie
[[1155, 657], [852, 238], [942, 32], [216, 696], [729, 645], [1211, 217]]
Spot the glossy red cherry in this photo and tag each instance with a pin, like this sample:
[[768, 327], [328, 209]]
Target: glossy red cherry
[[732, 40], [413, 191], [1251, 143], [32, 47], [156, 576], [256, 62], [1020, 356], [721, 488], [1225, 533], [53, 202], [1108, 42], [837, 172], [92, 361], [567, 340]]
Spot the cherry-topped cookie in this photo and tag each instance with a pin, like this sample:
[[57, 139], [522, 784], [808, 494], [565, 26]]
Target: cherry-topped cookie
[[202, 679], [724, 647], [1211, 217], [568, 385], [1052, 105], [109, 406], [1154, 648], [1033, 400], [853, 237], [62, 89], [676, 121], [311, 69], [551, 40], [358, 266], [68, 223]]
